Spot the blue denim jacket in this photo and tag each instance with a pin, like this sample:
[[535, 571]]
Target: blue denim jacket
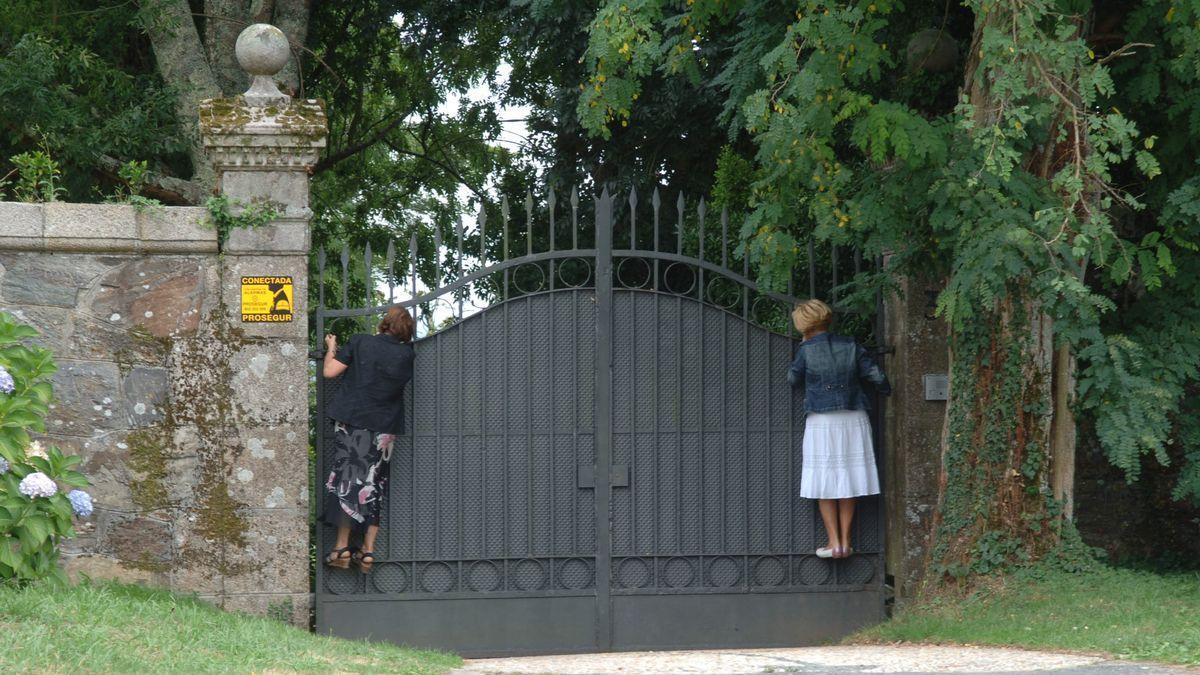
[[831, 368]]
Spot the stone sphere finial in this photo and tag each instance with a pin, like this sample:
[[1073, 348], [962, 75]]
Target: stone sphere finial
[[262, 51]]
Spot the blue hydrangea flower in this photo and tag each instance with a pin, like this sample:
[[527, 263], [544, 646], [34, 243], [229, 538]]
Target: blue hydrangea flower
[[6, 381], [37, 484], [3, 466], [81, 502]]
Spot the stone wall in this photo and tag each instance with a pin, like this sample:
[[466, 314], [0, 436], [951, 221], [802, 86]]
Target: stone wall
[[192, 425], [913, 427]]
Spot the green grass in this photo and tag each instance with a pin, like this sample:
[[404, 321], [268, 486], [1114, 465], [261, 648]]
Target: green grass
[[1128, 614], [107, 627]]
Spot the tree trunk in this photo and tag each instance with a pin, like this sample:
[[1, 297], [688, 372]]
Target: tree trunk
[[208, 68], [291, 16], [223, 21], [1008, 443], [995, 480], [1062, 432], [182, 65]]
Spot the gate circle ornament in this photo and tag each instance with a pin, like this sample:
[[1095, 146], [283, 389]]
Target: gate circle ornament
[[679, 573], [575, 272], [529, 575], [857, 569], [627, 277], [722, 292], [769, 571], [390, 578], [724, 572], [770, 314], [522, 278], [574, 573], [633, 573], [813, 571], [483, 576], [342, 582], [437, 577], [672, 275]]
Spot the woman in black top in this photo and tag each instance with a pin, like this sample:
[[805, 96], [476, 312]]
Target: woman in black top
[[368, 414]]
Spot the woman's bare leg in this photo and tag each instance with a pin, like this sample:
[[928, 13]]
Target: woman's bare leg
[[845, 519], [339, 557], [829, 514], [368, 545], [343, 538]]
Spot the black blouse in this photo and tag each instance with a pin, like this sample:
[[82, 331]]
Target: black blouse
[[372, 391]]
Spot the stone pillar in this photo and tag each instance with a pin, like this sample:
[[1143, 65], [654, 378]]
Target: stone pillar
[[262, 146], [914, 427]]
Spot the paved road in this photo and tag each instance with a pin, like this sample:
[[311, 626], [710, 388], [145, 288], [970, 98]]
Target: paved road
[[840, 659]]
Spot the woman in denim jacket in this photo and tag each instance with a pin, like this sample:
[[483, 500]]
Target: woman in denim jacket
[[839, 457]]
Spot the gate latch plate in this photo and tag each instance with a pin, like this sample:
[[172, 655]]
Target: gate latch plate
[[618, 475]]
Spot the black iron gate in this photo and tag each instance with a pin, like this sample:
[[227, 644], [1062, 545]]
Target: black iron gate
[[604, 456]]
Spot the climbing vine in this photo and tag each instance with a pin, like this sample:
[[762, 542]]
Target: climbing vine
[[1006, 193], [225, 215]]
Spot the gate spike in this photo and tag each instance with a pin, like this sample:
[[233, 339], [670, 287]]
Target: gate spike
[[633, 200], [412, 265], [791, 298], [367, 260], [834, 262], [656, 202], [482, 220], [458, 232], [701, 211], [679, 206], [550, 202], [458, 265], [725, 238], [574, 217], [504, 214], [437, 256], [391, 270], [745, 289], [528, 222], [812, 268], [321, 278], [345, 273]]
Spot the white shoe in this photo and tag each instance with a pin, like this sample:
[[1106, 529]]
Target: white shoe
[[825, 552]]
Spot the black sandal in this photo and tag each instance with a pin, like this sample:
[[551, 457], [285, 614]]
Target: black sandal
[[338, 560], [364, 559]]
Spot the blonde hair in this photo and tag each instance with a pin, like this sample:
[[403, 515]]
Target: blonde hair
[[812, 316]]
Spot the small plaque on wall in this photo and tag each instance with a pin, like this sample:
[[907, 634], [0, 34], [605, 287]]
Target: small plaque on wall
[[267, 299], [937, 386]]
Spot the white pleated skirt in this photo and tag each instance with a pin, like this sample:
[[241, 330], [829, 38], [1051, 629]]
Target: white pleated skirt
[[839, 457]]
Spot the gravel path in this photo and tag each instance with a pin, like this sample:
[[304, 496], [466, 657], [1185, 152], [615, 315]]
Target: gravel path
[[840, 659]]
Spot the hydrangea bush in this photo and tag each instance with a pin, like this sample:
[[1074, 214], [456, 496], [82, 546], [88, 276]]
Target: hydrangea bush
[[39, 489]]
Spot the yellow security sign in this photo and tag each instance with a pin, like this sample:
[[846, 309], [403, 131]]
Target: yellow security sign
[[267, 299]]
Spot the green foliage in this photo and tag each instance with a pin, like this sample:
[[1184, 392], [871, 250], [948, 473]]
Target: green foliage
[[1138, 376], [134, 176], [80, 81], [1008, 192], [107, 627], [37, 177], [225, 215], [30, 527], [1128, 614]]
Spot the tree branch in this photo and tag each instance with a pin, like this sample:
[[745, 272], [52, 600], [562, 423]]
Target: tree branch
[[332, 159], [166, 189], [182, 65], [441, 165]]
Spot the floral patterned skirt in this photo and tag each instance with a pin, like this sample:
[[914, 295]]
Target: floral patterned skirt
[[358, 477]]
